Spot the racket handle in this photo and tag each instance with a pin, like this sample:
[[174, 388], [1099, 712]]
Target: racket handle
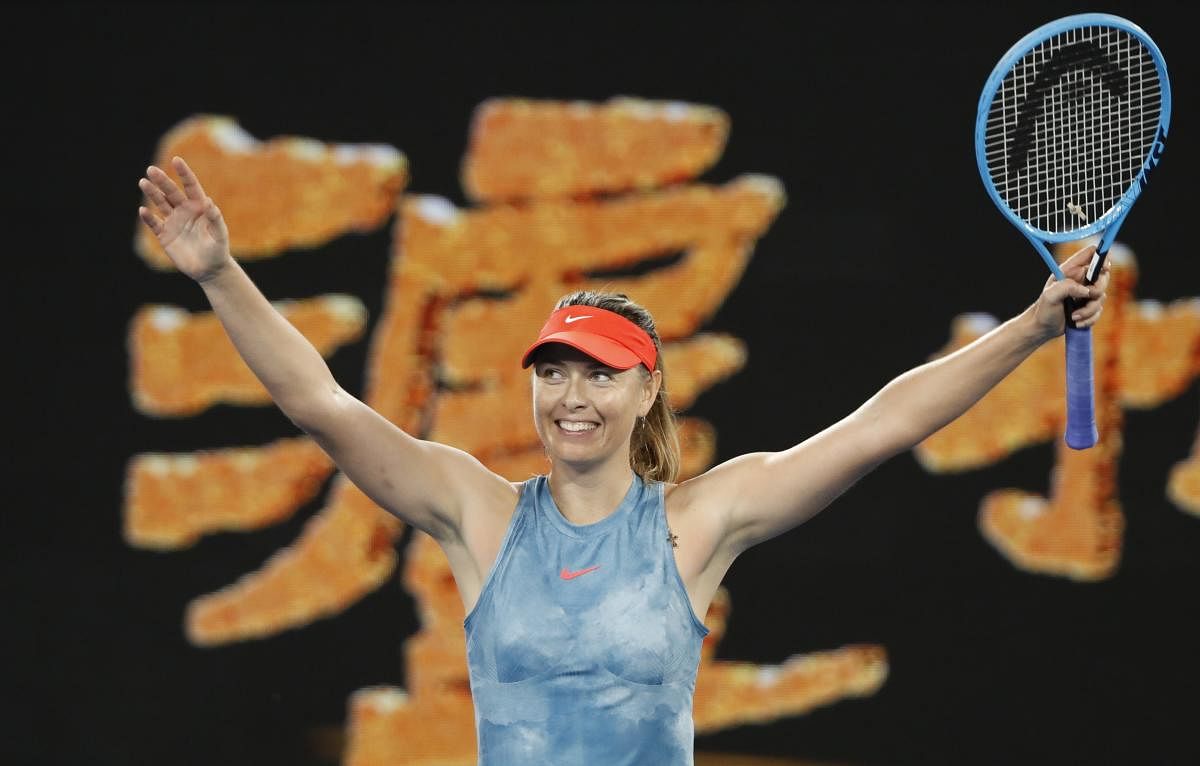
[[1081, 410]]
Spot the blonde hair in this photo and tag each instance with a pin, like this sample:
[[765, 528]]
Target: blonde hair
[[654, 448]]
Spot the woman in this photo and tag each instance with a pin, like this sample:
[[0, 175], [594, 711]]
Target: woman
[[584, 587]]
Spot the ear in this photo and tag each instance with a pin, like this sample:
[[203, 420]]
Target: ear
[[650, 391]]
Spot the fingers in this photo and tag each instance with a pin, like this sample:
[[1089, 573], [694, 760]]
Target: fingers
[[1089, 300], [151, 222], [191, 184], [1060, 291], [1069, 288], [155, 196], [1075, 270], [164, 184], [1089, 313], [1076, 266], [215, 219], [164, 196], [1086, 301]]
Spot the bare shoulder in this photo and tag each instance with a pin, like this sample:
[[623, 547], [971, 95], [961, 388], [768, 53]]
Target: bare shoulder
[[493, 508], [493, 498]]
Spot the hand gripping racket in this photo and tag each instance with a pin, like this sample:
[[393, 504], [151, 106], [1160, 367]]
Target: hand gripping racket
[[1070, 124]]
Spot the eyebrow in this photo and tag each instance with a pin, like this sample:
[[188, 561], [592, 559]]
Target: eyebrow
[[592, 364]]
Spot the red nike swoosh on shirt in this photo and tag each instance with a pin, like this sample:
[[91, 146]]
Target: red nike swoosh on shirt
[[567, 574]]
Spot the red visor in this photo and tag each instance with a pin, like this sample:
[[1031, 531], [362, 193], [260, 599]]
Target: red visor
[[603, 335]]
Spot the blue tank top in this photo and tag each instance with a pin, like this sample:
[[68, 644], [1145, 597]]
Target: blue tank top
[[583, 646]]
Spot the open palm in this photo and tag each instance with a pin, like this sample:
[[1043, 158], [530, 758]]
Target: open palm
[[187, 223]]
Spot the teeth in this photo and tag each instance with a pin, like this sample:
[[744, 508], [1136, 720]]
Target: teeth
[[567, 425]]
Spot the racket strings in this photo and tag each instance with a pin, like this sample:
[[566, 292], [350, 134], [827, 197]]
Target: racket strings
[[1072, 125]]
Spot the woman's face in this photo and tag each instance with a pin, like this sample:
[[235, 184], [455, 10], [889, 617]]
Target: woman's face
[[584, 411]]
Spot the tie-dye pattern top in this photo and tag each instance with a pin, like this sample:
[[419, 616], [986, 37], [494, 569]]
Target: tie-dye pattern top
[[583, 646]]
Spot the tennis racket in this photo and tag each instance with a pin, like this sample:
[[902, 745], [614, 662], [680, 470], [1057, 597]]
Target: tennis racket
[[1070, 124]]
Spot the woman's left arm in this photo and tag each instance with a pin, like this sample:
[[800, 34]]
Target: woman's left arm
[[764, 494]]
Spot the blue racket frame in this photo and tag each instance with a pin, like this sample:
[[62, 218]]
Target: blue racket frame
[[1081, 432]]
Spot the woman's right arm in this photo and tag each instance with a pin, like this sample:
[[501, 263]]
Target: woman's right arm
[[424, 483]]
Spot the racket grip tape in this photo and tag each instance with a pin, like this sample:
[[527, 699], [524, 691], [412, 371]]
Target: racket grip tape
[[1081, 410]]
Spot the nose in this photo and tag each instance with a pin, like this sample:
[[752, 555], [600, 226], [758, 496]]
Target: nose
[[574, 397]]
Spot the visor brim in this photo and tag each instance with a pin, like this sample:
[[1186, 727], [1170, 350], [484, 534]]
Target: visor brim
[[601, 349]]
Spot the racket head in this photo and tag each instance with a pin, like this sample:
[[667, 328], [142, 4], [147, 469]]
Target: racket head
[[1069, 125]]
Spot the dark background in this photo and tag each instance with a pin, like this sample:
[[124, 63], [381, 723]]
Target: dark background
[[864, 111]]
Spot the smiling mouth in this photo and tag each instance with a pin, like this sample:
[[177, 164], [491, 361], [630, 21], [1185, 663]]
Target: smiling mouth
[[576, 427]]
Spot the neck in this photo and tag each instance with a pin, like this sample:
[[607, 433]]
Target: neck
[[587, 495]]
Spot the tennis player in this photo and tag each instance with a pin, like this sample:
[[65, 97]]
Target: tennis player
[[584, 588]]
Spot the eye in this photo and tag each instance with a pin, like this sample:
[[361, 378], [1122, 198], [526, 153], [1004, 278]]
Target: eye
[[603, 376], [551, 373]]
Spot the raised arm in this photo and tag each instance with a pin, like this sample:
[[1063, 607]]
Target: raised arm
[[758, 496], [424, 483]]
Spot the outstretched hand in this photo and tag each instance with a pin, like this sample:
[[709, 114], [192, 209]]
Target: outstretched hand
[[1048, 310], [187, 223]]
